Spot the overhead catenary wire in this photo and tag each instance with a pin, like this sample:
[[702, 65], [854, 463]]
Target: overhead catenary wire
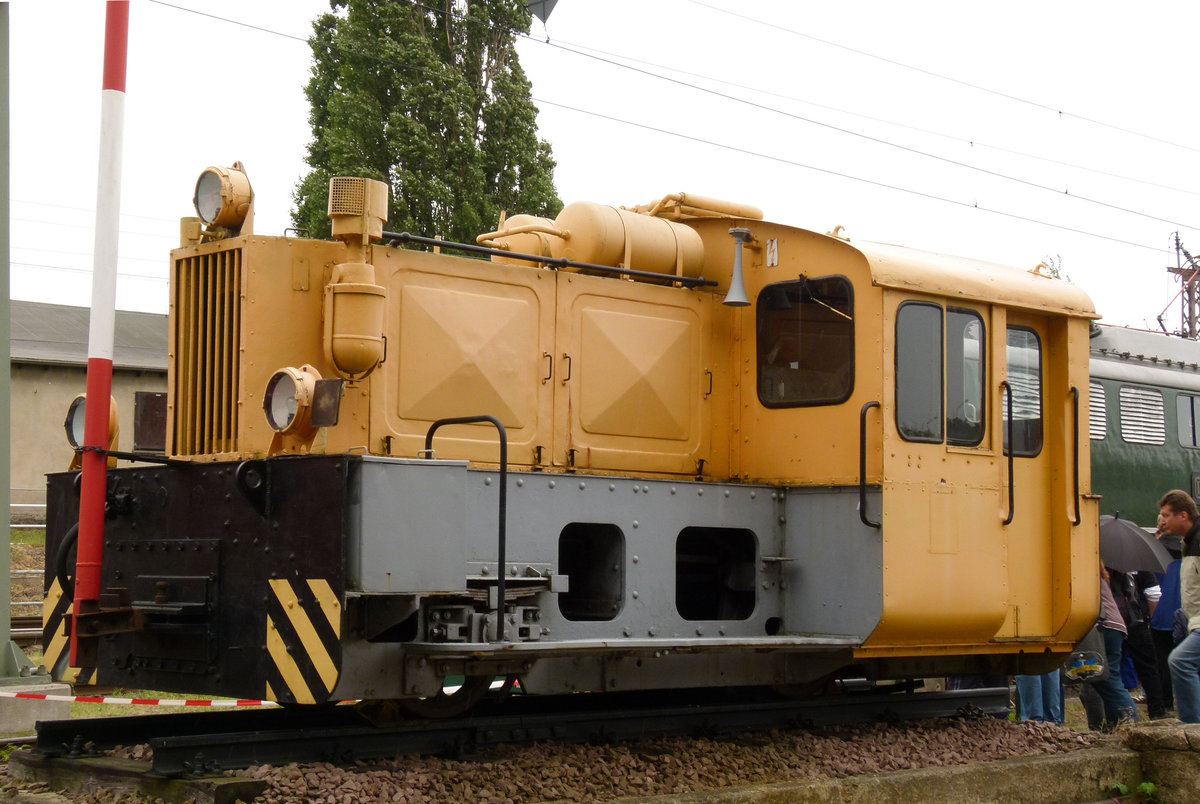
[[880, 141], [69, 269], [959, 81], [968, 141], [416, 4], [883, 185]]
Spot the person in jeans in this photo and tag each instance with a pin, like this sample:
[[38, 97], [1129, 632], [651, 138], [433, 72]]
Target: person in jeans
[[1179, 514], [1118, 705], [1129, 590], [1040, 698]]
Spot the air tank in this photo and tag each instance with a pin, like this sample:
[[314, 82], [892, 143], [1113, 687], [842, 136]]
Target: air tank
[[610, 236], [602, 235]]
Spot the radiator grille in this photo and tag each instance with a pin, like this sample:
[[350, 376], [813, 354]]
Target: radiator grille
[[207, 307]]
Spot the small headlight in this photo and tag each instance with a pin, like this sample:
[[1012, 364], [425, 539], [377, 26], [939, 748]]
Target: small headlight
[[288, 400], [74, 424], [280, 402], [223, 196]]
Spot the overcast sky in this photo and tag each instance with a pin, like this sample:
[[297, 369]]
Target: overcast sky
[[1010, 132]]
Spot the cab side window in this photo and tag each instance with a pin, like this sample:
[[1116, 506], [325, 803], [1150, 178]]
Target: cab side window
[[1025, 380], [805, 333], [964, 378], [940, 373], [919, 372]]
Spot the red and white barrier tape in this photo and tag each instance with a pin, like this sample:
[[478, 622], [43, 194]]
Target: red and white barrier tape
[[227, 703]]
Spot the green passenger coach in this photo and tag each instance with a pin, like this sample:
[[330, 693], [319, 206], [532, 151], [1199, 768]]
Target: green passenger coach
[[1144, 414]]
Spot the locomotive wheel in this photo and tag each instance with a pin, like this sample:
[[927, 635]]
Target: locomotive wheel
[[446, 704]]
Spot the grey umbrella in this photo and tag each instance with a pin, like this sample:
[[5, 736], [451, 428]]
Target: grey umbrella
[[1126, 547]]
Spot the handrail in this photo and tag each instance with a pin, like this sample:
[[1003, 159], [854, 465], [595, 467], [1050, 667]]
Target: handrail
[[556, 262], [862, 465], [501, 536], [1012, 450], [1078, 515]]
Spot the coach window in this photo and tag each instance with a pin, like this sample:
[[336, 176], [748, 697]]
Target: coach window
[[1025, 381], [1142, 415], [1188, 408], [805, 335], [919, 372]]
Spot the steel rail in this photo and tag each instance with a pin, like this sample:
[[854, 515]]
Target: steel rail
[[212, 742]]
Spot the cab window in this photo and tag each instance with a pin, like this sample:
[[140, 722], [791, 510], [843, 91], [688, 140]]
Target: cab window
[[940, 372], [805, 335], [1025, 380]]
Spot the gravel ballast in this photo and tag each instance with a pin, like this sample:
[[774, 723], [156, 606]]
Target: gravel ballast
[[557, 772]]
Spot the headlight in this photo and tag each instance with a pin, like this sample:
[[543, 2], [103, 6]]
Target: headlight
[[74, 424], [223, 196], [76, 427], [287, 402]]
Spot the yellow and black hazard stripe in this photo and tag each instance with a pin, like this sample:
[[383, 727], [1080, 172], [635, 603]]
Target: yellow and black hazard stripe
[[304, 632], [56, 653]]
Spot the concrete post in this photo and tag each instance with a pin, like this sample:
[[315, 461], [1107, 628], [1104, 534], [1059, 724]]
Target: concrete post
[[16, 671], [12, 658]]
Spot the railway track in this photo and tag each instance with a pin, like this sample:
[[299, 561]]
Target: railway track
[[26, 630], [193, 744]]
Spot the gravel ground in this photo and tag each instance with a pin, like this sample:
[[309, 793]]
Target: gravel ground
[[555, 772]]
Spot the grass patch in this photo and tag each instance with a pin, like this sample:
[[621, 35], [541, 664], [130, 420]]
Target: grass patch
[[29, 536]]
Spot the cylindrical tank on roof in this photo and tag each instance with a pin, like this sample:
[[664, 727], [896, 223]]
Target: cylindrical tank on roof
[[609, 236]]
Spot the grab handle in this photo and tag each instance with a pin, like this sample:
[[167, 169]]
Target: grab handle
[[1006, 389], [1075, 396], [501, 536], [862, 466]]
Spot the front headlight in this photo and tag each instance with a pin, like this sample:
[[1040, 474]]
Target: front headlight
[[223, 196], [74, 424], [287, 402]]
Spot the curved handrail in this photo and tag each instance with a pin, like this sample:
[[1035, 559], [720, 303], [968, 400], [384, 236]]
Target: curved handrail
[[503, 502], [1012, 450], [862, 466]]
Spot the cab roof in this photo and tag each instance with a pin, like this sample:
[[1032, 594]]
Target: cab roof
[[973, 280]]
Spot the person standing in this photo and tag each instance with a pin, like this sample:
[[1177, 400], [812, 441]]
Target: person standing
[[1040, 698], [1118, 705], [1162, 620], [1129, 590], [1180, 517]]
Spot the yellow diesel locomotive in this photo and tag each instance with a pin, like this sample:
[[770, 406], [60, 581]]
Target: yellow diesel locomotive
[[668, 445]]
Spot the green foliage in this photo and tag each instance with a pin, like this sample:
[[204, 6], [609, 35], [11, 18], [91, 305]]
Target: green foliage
[[431, 99], [1149, 790], [6, 751], [1119, 789]]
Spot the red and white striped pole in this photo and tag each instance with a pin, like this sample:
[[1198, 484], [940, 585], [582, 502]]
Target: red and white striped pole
[[103, 319]]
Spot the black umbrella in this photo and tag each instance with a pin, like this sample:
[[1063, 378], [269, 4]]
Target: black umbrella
[[1126, 547]]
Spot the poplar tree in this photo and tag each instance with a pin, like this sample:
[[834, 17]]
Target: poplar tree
[[429, 97]]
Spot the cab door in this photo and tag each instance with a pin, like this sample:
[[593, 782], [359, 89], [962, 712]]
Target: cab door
[[944, 546], [1048, 565]]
